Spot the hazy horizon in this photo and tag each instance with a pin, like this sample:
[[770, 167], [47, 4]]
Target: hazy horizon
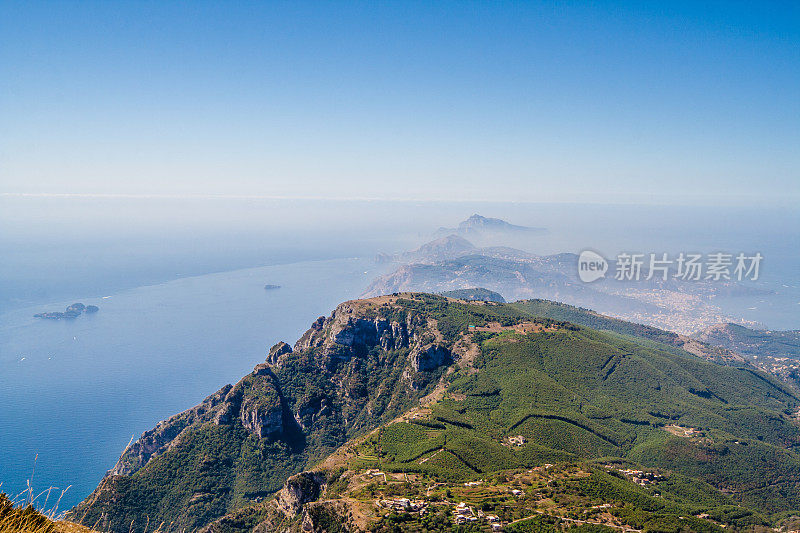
[[71, 247]]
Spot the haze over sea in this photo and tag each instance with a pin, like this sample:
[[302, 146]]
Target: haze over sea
[[183, 308]]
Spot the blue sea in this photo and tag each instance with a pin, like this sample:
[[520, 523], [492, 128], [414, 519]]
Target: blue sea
[[183, 309], [76, 391]]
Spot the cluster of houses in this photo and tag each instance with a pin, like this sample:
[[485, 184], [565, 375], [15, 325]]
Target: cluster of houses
[[405, 505], [462, 514], [641, 477], [465, 514]]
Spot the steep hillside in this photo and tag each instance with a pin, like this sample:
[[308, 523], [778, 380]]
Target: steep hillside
[[664, 339], [753, 342], [461, 392], [365, 364]]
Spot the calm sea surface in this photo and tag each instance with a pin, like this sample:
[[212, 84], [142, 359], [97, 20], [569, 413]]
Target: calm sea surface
[[75, 391]]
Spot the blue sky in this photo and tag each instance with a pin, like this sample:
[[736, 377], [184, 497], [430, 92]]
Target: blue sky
[[672, 102]]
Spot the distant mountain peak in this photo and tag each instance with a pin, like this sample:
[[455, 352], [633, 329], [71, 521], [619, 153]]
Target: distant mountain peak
[[479, 224], [451, 240], [480, 220]]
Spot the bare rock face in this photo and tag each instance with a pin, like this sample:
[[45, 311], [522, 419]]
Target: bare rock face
[[261, 410], [299, 507], [317, 516], [396, 337], [428, 357], [300, 489], [359, 332], [229, 408], [312, 337], [356, 328], [318, 324], [276, 352], [261, 419]]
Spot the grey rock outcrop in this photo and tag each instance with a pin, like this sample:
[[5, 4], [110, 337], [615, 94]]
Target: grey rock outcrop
[[300, 489], [275, 353], [356, 332], [261, 420], [426, 358]]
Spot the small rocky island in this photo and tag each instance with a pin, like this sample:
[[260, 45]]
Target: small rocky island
[[269, 287], [73, 311]]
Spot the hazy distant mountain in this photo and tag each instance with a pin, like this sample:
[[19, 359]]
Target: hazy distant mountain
[[477, 224], [776, 352], [753, 342], [451, 247], [453, 262], [437, 250], [551, 277]]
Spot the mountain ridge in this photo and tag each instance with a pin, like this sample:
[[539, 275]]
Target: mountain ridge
[[426, 360]]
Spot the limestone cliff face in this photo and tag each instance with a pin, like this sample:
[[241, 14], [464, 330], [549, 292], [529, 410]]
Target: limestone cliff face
[[260, 420], [303, 495], [430, 356], [357, 327], [275, 353], [358, 333], [300, 489], [299, 507]]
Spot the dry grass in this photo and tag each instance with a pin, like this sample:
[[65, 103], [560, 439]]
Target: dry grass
[[35, 513], [26, 518]]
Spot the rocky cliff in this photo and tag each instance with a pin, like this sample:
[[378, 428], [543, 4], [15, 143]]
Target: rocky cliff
[[367, 362], [370, 392]]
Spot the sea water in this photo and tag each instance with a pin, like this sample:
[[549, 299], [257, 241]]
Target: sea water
[[74, 392]]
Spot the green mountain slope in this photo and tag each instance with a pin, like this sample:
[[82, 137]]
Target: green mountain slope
[[665, 340], [585, 394], [483, 389]]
